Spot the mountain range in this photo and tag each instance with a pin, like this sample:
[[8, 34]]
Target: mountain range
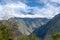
[[41, 27], [49, 29], [25, 26]]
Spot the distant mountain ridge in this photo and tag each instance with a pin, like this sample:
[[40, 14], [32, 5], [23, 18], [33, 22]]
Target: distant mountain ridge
[[25, 25]]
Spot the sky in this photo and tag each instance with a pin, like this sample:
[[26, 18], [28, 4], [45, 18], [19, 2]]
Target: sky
[[29, 8]]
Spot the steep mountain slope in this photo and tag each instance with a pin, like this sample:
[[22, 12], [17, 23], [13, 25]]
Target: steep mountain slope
[[52, 27], [6, 32], [25, 25]]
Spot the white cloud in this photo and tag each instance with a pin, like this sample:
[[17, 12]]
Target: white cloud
[[16, 5], [50, 9], [56, 1], [47, 1], [13, 10], [8, 10]]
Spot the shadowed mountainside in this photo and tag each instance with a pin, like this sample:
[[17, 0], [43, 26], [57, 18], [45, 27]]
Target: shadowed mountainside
[[52, 27]]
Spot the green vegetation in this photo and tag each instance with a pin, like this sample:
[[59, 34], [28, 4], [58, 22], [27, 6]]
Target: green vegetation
[[33, 37], [56, 36], [4, 32]]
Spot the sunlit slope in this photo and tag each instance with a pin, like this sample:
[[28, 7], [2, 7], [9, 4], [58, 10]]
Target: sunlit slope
[[26, 25]]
